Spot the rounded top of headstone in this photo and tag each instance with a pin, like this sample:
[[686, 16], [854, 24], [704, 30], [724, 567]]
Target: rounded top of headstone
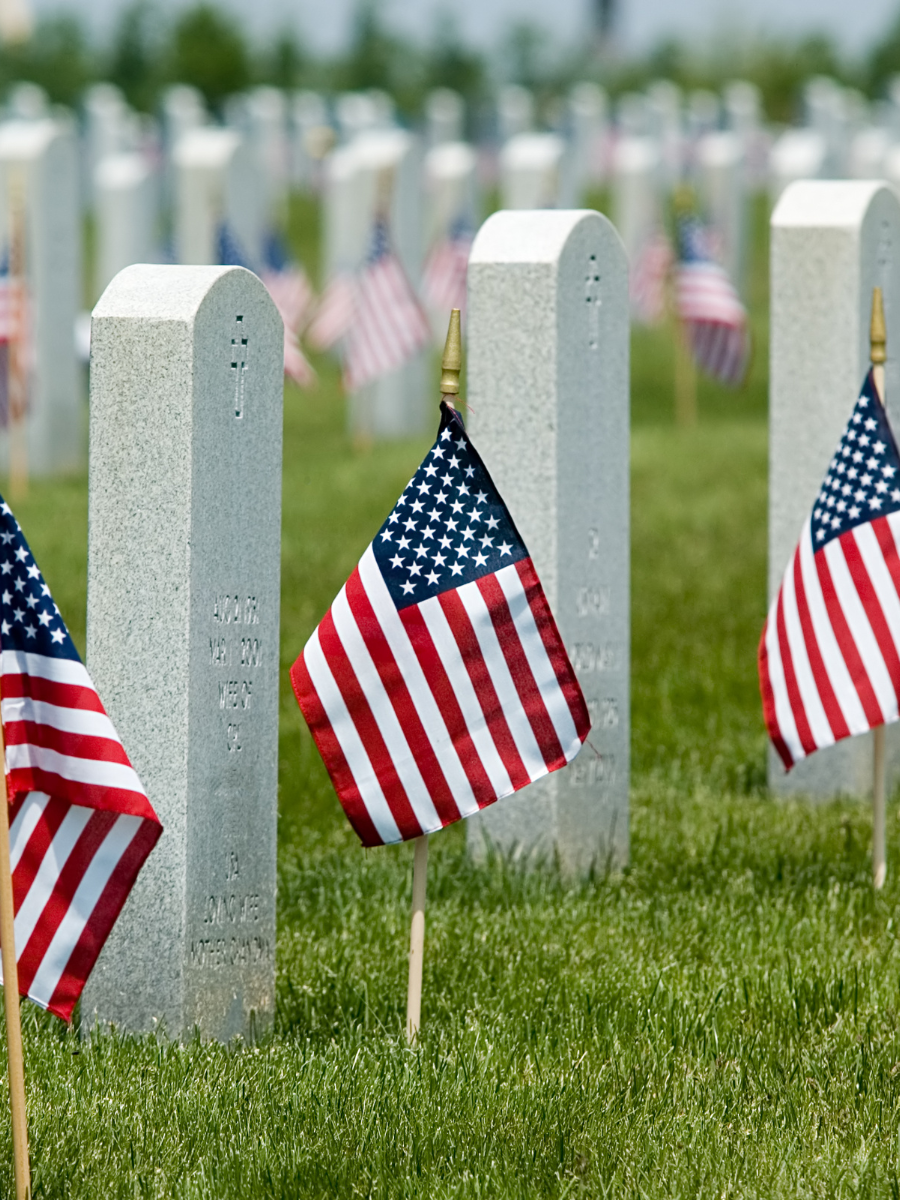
[[207, 147], [534, 235], [532, 151], [828, 202], [153, 292], [28, 139]]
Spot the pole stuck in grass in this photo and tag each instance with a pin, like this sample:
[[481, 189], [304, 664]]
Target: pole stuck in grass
[[878, 355], [14, 1051], [451, 365]]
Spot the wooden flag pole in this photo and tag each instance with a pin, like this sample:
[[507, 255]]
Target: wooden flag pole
[[878, 355], [11, 997], [451, 366]]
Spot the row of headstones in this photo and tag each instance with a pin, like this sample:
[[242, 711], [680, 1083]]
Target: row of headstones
[[185, 514]]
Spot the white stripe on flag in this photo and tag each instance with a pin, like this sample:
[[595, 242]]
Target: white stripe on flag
[[783, 713], [83, 721], [70, 830], [348, 738], [538, 660], [60, 670], [420, 693], [463, 689], [809, 693], [860, 629], [883, 585], [498, 669], [78, 913], [25, 824], [835, 667], [77, 770], [382, 710]]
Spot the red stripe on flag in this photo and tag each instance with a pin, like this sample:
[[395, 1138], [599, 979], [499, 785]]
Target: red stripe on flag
[[768, 702], [807, 741], [332, 755], [869, 599], [532, 700], [367, 728], [445, 697], [76, 745], [835, 717], [470, 651], [553, 644], [58, 902], [65, 695], [102, 919], [90, 795], [854, 663], [398, 694]]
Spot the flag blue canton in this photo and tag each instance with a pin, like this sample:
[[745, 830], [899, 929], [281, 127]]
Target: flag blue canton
[[450, 526], [693, 240], [380, 245], [863, 480], [29, 618]]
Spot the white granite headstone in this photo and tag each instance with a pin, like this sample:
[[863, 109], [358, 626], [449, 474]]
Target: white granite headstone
[[515, 111], [184, 552], [832, 243], [588, 109], [721, 181], [216, 181], [308, 122], [445, 116], [797, 154], [266, 111], [548, 380], [39, 182], [125, 191], [636, 192], [535, 172]]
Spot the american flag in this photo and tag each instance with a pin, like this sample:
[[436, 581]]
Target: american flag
[[289, 289], [335, 313], [437, 683], [444, 279], [81, 823], [707, 303], [388, 325], [649, 277], [829, 656]]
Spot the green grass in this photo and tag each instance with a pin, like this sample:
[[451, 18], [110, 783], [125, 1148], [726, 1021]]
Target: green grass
[[721, 1019]]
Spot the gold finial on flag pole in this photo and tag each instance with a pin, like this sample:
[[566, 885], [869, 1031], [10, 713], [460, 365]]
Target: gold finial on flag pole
[[878, 356], [451, 363]]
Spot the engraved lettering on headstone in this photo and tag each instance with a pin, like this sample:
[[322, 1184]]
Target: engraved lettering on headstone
[[592, 297], [593, 543], [592, 601], [239, 364], [604, 714], [591, 770], [585, 657]]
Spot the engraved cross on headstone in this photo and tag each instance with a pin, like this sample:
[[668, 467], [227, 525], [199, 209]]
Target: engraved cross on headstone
[[239, 364], [592, 297]]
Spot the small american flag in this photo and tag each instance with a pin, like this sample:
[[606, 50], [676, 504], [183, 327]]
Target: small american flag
[[829, 656], [438, 683], [81, 823], [389, 325], [707, 303], [444, 280], [649, 278]]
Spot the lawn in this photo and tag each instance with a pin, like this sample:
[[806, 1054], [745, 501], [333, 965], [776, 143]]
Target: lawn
[[720, 1019]]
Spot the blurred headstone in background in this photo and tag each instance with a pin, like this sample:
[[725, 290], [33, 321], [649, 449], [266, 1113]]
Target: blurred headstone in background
[[309, 128], [868, 151], [126, 214], [632, 115], [515, 111], [588, 108], [217, 205], [797, 154], [666, 127], [722, 187], [111, 127], [832, 243], [703, 113], [363, 112], [548, 379], [27, 102], [636, 193], [535, 172], [445, 117], [40, 226], [452, 215]]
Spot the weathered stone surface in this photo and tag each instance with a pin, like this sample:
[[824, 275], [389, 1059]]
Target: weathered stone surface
[[182, 641], [548, 379], [832, 242]]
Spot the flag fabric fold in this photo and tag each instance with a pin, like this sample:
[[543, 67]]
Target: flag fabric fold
[[707, 303], [438, 683], [829, 655], [81, 825]]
